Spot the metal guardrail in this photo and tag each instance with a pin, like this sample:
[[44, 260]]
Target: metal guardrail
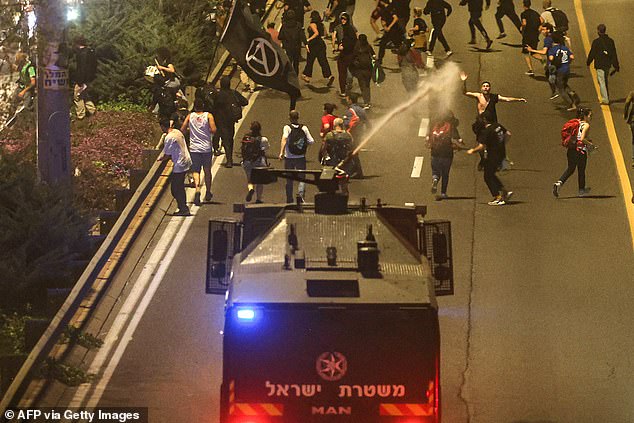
[[96, 265]]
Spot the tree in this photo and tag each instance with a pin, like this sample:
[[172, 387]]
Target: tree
[[127, 35]]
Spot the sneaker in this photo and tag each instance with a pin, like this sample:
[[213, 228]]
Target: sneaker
[[250, 195], [554, 96], [184, 212], [429, 53], [584, 191], [507, 195], [342, 95], [529, 73], [556, 188], [434, 186], [305, 78], [443, 196], [489, 44], [502, 35], [197, 199], [331, 80], [572, 108], [496, 202], [473, 41], [208, 197], [259, 201], [367, 106], [449, 53]]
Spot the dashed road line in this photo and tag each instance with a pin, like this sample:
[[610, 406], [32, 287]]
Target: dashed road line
[[418, 166]]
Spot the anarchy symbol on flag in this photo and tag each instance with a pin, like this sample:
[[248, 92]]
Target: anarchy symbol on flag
[[262, 57]]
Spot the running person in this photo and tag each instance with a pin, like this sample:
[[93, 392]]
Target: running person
[[475, 13], [506, 8], [577, 154], [492, 139], [560, 57], [437, 8], [531, 21]]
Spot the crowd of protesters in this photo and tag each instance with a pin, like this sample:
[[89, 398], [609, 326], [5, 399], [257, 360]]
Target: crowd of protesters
[[411, 44], [195, 133]]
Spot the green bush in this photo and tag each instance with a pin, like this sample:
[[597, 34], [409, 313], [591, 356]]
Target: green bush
[[39, 230]]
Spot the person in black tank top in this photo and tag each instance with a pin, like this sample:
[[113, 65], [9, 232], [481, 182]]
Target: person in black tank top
[[316, 48]]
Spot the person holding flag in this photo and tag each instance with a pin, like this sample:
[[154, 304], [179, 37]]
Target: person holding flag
[[257, 54]]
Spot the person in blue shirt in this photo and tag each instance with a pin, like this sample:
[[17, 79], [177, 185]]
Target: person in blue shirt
[[561, 57], [547, 30]]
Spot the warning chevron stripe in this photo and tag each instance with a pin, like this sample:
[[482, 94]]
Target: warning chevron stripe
[[257, 409], [406, 410]]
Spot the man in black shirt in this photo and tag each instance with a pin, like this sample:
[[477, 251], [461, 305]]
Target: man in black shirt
[[436, 9], [226, 101], [475, 13], [85, 73], [493, 139], [506, 8], [531, 21], [603, 54], [394, 32]]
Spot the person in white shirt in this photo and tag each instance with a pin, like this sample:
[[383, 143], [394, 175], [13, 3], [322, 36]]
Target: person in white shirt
[[175, 150], [295, 140]]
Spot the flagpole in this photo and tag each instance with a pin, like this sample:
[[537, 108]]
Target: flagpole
[[219, 41]]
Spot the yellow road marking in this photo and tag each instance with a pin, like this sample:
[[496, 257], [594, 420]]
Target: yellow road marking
[[624, 181]]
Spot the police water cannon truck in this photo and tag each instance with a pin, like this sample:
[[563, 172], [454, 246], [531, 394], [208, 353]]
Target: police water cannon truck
[[331, 312]]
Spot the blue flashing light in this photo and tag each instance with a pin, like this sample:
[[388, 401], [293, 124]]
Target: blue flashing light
[[246, 314]]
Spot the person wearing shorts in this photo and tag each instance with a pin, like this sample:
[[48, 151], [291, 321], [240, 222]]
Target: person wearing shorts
[[531, 21], [201, 126]]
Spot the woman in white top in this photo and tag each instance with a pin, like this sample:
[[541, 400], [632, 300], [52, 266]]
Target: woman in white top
[[577, 154], [201, 126]]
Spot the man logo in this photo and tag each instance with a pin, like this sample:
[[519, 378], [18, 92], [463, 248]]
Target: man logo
[[262, 57], [331, 366]]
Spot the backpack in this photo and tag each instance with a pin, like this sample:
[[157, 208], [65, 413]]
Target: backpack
[[350, 118], [251, 148], [296, 141], [569, 133], [440, 135], [338, 146], [560, 18]]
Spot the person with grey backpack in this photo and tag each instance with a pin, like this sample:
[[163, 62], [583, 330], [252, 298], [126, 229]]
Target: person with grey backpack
[[295, 140]]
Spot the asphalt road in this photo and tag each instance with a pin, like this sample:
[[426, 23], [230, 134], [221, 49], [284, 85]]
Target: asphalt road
[[540, 327]]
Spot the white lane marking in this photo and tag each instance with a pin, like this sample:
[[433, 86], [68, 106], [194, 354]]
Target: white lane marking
[[163, 253], [418, 166], [158, 264], [424, 125]]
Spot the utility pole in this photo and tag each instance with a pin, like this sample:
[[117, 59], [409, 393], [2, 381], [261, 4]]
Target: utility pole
[[53, 112]]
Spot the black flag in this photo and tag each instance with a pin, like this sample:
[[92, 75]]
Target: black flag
[[260, 57]]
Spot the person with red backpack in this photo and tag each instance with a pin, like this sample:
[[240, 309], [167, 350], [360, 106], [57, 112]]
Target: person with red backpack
[[440, 139], [575, 138]]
